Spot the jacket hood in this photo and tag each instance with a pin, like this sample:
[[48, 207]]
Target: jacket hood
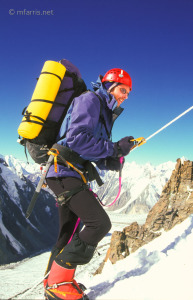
[[100, 89]]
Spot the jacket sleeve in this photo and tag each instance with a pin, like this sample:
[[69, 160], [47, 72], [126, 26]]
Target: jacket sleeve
[[81, 136]]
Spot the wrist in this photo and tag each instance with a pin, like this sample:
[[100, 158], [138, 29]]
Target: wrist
[[117, 150]]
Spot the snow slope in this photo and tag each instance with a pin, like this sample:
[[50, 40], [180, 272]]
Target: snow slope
[[160, 270]]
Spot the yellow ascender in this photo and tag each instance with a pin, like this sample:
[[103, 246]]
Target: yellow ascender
[[138, 142]]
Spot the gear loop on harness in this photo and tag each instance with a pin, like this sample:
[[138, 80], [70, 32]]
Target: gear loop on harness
[[55, 154], [69, 158]]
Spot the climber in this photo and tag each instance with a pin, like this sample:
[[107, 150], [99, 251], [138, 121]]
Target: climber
[[85, 130]]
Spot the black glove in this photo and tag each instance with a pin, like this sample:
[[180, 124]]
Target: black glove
[[113, 163], [123, 147]]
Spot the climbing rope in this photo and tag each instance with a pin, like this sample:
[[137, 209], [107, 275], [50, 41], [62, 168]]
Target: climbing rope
[[168, 124], [162, 128]]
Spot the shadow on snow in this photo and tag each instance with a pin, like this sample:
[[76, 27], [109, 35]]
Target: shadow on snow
[[146, 259]]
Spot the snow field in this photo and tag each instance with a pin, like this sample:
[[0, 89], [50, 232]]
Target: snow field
[[160, 270]]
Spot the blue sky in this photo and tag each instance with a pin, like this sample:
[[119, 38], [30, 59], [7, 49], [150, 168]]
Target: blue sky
[[152, 40]]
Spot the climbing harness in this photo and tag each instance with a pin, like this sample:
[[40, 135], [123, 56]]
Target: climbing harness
[[70, 159], [53, 156], [57, 155]]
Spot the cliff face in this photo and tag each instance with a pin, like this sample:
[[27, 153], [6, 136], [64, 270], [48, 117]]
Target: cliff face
[[173, 207], [176, 201]]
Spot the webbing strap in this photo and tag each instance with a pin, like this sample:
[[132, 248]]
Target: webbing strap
[[65, 196], [52, 74], [31, 121], [63, 293], [56, 155], [77, 170], [28, 114]]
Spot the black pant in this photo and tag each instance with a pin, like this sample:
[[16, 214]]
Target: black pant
[[82, 205]]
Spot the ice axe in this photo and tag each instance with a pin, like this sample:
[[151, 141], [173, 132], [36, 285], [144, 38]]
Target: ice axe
[[39, 186]]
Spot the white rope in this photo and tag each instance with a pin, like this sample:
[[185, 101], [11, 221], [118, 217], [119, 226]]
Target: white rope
[[168, 124]]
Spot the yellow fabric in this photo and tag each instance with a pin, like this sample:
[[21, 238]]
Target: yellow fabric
[[46, 89]]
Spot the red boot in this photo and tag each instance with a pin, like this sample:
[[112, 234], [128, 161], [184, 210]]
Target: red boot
[[55, 251], [61, 284], [45, 281]]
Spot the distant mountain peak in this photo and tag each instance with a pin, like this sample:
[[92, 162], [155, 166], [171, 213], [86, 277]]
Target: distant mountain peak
[[20, 237]]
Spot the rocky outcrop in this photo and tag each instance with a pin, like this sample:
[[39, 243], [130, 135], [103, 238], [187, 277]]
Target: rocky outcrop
[[173, 207], [128, 241], [176, 201]]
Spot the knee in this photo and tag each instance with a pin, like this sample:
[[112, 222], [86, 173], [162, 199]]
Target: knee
[[77, 252], [96, 230], [105, 226]]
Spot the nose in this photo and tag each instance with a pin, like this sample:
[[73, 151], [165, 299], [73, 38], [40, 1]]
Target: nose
[[126, 95]]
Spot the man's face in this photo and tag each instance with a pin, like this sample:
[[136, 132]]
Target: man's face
[[120, 92]]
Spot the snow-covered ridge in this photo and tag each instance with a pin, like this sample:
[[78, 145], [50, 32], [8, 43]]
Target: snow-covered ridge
[[20, 167], [14, 173]]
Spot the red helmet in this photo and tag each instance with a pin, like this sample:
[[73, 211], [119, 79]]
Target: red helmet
[[118, 75]]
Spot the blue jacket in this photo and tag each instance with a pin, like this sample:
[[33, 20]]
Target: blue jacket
[[83, 130]]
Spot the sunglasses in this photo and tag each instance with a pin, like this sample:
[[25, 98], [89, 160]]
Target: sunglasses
[[124, 91]]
